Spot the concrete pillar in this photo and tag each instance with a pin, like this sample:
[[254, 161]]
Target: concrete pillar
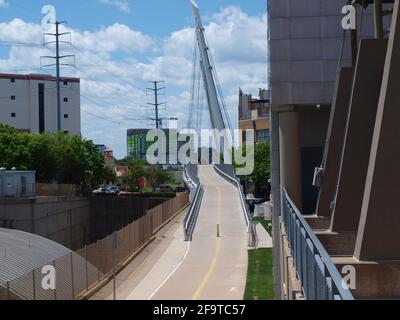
[[379, 230], [290, 155], [359, 132], [276, 200], [335, 140]]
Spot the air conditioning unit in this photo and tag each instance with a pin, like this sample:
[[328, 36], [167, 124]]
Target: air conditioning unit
[[17, 184]]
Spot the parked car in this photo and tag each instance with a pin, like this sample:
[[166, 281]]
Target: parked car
[[113, 190], [101, 190]]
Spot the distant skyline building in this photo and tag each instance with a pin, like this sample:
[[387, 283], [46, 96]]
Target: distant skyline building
[[254, 115], [29, 103], [137, 144], [101, 148]]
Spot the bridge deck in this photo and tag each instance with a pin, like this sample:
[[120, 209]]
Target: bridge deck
[[212, 267]]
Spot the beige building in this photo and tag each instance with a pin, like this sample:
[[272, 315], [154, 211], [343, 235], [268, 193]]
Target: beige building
[[254, 115], [335, 172], [29, 103]]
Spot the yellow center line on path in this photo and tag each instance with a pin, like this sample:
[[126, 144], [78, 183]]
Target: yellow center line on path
[[211, 270]]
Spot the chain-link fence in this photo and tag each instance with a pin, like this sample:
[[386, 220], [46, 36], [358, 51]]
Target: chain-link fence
[[84, 271]]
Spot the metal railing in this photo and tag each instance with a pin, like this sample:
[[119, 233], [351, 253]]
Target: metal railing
[[191, 173], [319, 277], [191, 218], [228, 173]]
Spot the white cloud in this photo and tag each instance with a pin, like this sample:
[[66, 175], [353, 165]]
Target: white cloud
[[113, 38], [110, 94], [121, 5]]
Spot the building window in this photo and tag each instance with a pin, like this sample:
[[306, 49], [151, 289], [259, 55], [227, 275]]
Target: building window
[[65, 83], [41, 108], [65, 99], [13, 115], [66, 116], [12, 97], [12, 80], [262, 136]]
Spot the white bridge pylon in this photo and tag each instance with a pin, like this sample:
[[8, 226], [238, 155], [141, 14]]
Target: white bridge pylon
[[216, 110]]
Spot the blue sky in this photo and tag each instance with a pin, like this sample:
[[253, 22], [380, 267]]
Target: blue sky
[[133, 42]]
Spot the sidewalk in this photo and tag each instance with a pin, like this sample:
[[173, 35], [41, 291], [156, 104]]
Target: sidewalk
[[264, 239]]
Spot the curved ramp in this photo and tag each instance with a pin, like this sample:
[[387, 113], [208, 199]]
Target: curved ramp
[[215, 266]]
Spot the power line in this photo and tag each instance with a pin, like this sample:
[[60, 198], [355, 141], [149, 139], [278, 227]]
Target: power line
[[108, 71], [19, 44], [92, 99], [105, 87]]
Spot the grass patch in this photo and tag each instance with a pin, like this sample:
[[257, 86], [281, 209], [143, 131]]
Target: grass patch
[[260, 280]]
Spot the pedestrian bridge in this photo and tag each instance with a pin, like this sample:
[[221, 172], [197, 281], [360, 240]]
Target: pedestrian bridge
[[213, 265]]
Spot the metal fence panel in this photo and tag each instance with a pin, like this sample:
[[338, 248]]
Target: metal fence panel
[[64, 287], [78, 272], [22, 287]]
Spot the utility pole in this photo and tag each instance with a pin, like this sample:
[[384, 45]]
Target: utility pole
[[156, 104], [57, 57], [378, 14]]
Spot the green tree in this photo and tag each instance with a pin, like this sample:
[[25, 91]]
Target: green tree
[[136, 172], [262, 171], [55, 157], [109, 175], [43, 157], [161, 177], [14, 149]]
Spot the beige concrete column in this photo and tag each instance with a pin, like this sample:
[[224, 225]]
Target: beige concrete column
[[359, 132], [335, 140], [379, 230], [290, 155]]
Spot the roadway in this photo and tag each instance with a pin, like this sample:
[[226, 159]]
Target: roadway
[[211, 267]]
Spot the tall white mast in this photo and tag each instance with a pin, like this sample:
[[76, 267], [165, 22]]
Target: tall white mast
[[217, 119]]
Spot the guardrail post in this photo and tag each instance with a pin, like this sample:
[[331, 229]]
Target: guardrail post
[[34, 285], [55, 289], [86, 270], [98, 261], [72, 277], [8, 291], [114, 275]]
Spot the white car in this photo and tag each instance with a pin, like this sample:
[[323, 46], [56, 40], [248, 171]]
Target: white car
[[113, 190], [100, 191]]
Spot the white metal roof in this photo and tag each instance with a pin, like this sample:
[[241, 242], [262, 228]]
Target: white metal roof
[[22, 252]]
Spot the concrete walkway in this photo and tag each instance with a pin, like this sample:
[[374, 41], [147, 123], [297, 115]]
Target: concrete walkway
[[215, 268], [209, 267], [264, 238]]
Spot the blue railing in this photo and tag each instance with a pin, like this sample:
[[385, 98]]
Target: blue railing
[[319, 277]]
